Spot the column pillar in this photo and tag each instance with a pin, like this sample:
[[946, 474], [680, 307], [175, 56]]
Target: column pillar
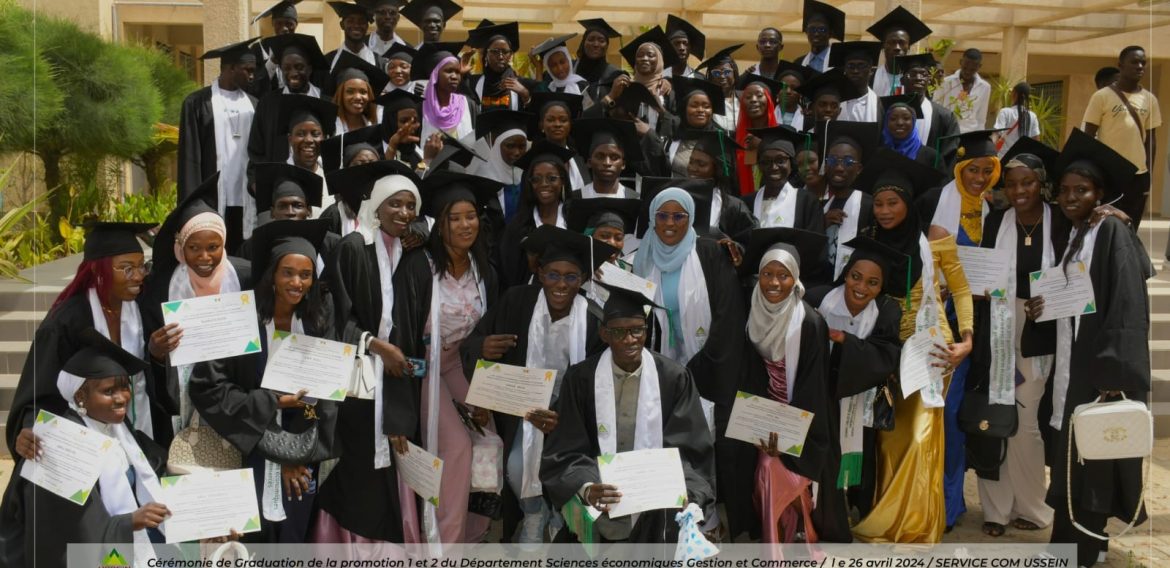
[[1013, 59], [224, 22]]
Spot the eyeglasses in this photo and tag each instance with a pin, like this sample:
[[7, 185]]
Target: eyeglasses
[[130, 270], [720, 73], [620, 333], [546, 180], [834, 161], [663, 216], [556, 277], [502, 53], [818, 29]]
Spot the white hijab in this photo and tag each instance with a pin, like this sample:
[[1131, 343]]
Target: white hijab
[[767, 322], [383, 189], [570, 84]]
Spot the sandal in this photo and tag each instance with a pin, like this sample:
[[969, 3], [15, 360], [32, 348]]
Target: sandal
[[1025, 525], [993, 529]]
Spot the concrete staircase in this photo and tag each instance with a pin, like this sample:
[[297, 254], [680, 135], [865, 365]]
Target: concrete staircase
[[23, 304]]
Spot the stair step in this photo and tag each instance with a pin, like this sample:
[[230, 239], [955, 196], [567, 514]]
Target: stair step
[[20, 325], [12, 357], [35, 298]]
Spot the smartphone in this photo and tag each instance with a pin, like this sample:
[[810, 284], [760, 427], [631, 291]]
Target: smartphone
[[418, 367]]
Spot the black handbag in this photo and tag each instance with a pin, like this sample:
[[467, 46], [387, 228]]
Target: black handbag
[[286, 448], [490, 505], [883, 409], [978, 417]]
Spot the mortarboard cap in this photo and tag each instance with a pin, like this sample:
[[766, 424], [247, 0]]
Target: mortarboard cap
[[905, 63], [806, 246], [588, 133], [832, 82], [400, 51], [100, 358], [338, 151], [716, 143], [865, 137], [233, 53], [974, 144], [355, 183], [444, 187], [600, 25], [276, 239], [1027, 145], [551, 243], [585, 215], [295, 109], [397, 100], [203, 199], [683, 87], [889, 168], [539, 102], [345, 9], [656, 36], [773, 86], [899, 19], [1082, 150], [722, 56], [481, 37], [634, 96], [430, 55], [453, 152], [275, 180], [887, 259], [696, 38], [782, 138], [497, 122], [350, 66], [543, 151], [282, 9], [832, 16], [542, 49], [847, 51], [105, 239], [625, 303], [416, 10], [305, 45], [912, 100]]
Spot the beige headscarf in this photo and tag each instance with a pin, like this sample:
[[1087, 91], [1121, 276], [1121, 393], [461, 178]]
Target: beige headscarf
[[208, 221], [653, 81], [767, 322]]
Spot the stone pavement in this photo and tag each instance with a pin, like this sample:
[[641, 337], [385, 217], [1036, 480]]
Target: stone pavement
[[1146, 546]]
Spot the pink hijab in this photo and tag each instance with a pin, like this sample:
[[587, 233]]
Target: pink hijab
[[443, 117], [208, 221]]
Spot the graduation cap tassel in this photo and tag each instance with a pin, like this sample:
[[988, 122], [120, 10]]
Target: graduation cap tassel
[[723, 154], [937, 150], [909, 262], [825, 147]]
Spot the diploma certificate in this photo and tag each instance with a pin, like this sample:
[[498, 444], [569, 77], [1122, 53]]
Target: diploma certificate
[[1066, 293], [320, 366], [917, 372], [754, 418], [73, 457], [986, 268], [214, 327], [510, 389], [209, 504], [647, 480], [421, 471], [612, 274]]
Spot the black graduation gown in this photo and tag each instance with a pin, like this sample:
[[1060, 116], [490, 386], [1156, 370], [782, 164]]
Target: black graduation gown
[[468, 87], [196, 155], [412, 307], [228, 396], [362, 499], [856, 366], [56, 340], [1110, 352], [809, 213], [512, 315], [820, 459], [735, 218], [823, 274], [262, 81], [36, 525], [571, 450], [942, 124], [511, 259]]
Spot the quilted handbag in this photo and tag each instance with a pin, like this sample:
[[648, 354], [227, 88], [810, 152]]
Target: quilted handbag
[[1122, 429], [199, 447]]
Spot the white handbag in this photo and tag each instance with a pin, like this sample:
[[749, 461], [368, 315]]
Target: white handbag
[[1122, 429], [361, 380]]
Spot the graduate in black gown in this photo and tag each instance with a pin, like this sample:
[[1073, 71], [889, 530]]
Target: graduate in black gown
[[939, 122], [499, 86], [284, 20], [543, 188], [36, 525], [845, 147], [431, 17], [347, 150], [609, 147], [106, 285], [301, 64], [228, 397], [785, 357], [588, 427], [364, 495], [354, 21], [777, 203], [591, 63], [452, 282], [864, 351], [1101, 355], [283, 191], [554, 115], [545, 325], [712, 161], [401, 121]]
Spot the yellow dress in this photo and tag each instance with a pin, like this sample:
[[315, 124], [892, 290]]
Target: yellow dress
[[909, 506]]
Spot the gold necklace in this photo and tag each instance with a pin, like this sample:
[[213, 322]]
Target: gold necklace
[[1028, 232]]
